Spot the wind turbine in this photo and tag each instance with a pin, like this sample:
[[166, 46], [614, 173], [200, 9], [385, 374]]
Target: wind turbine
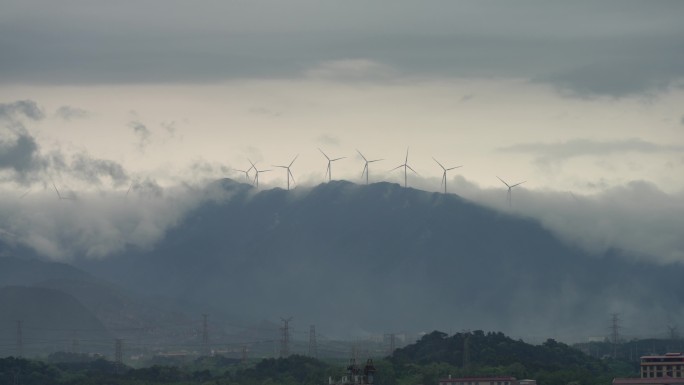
[[405, 166], [289, 173], [510, 187], [365, 167], [328, 171], [246, 171], [256, 175], [444, 178]]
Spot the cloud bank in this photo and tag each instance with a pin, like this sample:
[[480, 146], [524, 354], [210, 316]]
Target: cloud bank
[[634, 51]]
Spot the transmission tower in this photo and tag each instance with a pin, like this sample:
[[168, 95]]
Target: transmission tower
[[285, 338], [355, 352], [313, 348], [74, 343], [615, 332], [118, 352], [466, 351], [243, 359], [20, 339], [391, 339], [205, 334]]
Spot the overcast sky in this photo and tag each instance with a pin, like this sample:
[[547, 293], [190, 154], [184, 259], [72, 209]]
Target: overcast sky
[[581, 97]]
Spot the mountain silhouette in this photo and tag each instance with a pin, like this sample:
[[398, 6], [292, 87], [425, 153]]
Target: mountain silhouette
[[367, 259]]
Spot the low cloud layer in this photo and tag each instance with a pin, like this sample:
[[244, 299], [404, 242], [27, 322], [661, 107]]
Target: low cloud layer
[[558, 152], [637, 218], [94, 224]]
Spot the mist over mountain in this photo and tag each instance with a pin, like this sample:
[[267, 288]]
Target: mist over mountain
[[356, 260]]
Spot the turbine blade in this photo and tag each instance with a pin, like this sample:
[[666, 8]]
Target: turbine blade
[[293, 160], [374, 160], [502, 181], [399, 166], [406, 161], [412, 169], [454, 168], [326, 157], [365, 168], [440, 165], [332, 160], [290, 173], [364, 158], [518, 183]]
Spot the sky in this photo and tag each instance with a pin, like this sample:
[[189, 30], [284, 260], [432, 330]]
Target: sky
[[584, 101]]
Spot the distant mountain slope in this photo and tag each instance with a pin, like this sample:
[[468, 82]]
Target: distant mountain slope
[[381, 257], [50, 320], [26, 271], [121, 312]]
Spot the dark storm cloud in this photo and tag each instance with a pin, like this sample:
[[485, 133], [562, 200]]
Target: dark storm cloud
[[19, 151], [93, 170], [583, 48], [23, 162], [26, 108], [556, 152], [70, 113], [20, 155], [617, 68]]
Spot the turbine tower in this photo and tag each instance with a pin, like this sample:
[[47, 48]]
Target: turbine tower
[[405, 166], [365, 167], [510, 187], [444, 176], [289, 173], [328, 171], [256, 174]]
